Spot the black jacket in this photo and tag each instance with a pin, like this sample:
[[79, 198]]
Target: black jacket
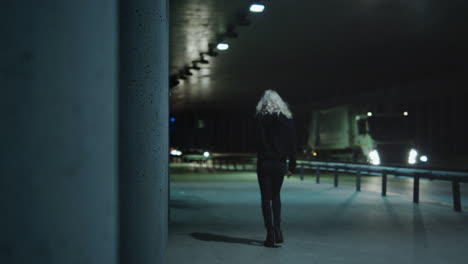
[[276, 139]]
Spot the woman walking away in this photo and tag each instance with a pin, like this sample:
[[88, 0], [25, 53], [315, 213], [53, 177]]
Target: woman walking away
[[275, 144]]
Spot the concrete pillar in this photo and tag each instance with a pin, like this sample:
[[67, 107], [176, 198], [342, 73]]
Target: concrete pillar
[[58, 159], [143, 140]]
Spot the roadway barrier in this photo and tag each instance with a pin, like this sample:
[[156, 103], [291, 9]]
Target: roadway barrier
[[358, 169], [456, 177]]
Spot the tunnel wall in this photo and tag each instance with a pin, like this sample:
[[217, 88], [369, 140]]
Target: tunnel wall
[[437, 112], [223, 131]]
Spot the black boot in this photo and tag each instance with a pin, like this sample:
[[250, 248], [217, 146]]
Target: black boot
[[270, 239], [277, 220], [266, 211], [278, 235]]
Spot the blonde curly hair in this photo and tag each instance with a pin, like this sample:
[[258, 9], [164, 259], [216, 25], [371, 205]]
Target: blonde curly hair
[[271, 103]]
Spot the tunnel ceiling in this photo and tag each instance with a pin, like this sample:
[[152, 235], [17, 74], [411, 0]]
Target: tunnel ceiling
[[312, 50]]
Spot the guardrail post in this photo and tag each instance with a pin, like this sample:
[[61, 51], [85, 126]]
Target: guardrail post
[[384, 183], [416, 189], [317, 174], [336, 177], [358, 181], [456, 195], [302, 171]]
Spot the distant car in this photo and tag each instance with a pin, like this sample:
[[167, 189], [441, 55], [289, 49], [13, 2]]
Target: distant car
[[174, 152], [190, 154]]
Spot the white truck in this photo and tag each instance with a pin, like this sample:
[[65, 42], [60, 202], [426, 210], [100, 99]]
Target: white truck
[[350, 133]]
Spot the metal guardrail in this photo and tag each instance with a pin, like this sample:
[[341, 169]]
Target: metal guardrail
[[416, 173], [455, 177]]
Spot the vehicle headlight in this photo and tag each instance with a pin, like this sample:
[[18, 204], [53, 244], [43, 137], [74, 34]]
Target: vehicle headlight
[[424, 158], [412, 157], [206, 154], [176, 152], [374, 157]]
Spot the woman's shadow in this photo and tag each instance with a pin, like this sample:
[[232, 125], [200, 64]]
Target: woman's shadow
[[226, 239]]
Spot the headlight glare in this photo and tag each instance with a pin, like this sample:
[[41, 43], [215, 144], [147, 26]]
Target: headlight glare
[[374, 157], [176, 152], [412, 157]]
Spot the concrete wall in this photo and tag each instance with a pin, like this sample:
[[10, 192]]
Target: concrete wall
[[58, 184], [143, 142], [71, 131]]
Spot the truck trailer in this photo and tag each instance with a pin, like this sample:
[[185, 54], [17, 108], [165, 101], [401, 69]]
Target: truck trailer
[[352, 134]]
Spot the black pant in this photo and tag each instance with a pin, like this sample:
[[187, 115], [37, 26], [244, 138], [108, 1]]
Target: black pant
[[270, 176]]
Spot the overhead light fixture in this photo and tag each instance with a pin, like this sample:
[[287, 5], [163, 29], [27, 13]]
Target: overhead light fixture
[[202, 59], [222, 46], [211, 50], [195, 65], [257, 8]]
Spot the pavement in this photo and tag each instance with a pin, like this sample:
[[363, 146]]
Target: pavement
[[215, 217]]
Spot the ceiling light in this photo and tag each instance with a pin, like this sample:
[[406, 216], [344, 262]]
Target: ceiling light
[[222, 46], [202, 59], [195, 66], [257, 8]]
